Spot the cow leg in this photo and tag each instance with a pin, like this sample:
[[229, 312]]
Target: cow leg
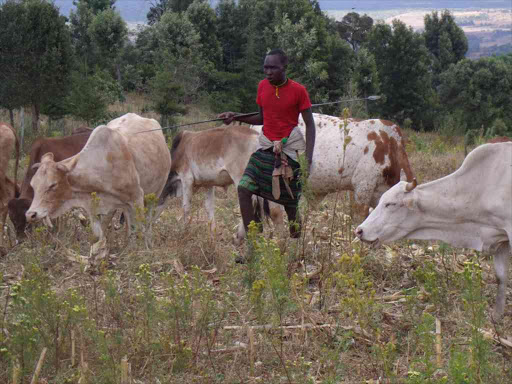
[[187, 196], [210, 207], [99, 249], [3, 218], [501, 263]]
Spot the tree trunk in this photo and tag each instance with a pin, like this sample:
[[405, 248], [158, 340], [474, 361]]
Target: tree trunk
[[22, 124], [35, 119], [11, 116]]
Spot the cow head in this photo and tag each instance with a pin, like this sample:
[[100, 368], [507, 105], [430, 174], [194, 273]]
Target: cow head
[[173, 187], [394, 217], [51, 188], [17, 209]]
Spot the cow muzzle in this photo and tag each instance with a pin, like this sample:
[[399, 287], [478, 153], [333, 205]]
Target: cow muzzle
[[34, 216], [359, 232]]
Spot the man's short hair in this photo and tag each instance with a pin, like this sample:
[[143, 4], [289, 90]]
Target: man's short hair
[[279, 52]]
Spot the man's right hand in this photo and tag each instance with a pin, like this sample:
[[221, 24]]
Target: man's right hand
[[228, 117]]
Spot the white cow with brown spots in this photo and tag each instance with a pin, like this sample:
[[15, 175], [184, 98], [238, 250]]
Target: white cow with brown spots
[[470, 208], [364, 156], [118, 164], [8, 188]]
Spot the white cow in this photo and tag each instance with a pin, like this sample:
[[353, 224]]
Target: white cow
[[470, 208], [118, 163]]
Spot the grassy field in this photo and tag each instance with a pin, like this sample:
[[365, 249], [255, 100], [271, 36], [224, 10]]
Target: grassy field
[[321, 309]]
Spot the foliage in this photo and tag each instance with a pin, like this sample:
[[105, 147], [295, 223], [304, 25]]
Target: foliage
[[403, 66], [354, 28], [445, 40], [167, 96], [108, 31], [477, 92], [91, 94], [36, 54], [159, 7]]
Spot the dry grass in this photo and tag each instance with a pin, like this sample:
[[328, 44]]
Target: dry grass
[[180, 311]]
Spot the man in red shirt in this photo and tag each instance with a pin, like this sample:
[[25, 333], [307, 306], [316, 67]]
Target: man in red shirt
[[280, 101]]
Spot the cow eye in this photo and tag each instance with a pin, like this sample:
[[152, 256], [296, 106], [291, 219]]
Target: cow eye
[[52, 187], [389, 205]]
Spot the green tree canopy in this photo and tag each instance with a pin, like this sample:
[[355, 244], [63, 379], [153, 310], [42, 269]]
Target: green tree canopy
[[354, 28], [444, 39], [36, 54], [403, 66], [159, 7], [478, 92]]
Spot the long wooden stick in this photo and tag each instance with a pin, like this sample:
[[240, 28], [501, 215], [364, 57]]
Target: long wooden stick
[[39, 365]]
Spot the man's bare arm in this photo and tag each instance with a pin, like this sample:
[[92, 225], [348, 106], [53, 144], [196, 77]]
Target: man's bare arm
[[252, 120], [307, 115]]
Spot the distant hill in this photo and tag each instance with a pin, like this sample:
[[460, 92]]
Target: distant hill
[[136, 10]]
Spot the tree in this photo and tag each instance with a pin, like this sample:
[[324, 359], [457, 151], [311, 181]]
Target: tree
[[354, 28], [180, 52], [445, 40], [91, 94], [478, 93], [167, 96], [159, 7], [365, 76], [204, 19], [36, 54], [403, 66]]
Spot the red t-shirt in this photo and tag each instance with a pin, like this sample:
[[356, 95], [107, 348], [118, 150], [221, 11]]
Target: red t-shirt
[[281, 114]]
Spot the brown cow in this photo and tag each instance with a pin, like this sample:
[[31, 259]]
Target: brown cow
[[62, 148], [8, 188], [499, 139]]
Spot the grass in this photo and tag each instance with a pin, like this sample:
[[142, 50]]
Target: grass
[[322, 309]]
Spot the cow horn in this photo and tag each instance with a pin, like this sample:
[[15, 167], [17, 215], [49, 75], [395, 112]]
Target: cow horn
[[410, 186], [47, 157]]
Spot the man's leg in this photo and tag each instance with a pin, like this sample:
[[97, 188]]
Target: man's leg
[[293, 220], [247, 208]]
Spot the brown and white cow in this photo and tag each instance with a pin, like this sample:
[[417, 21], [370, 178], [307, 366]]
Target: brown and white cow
[[120, 163], [470, 208], [8, 188], [212, 158], [62, 148], [364, 156]]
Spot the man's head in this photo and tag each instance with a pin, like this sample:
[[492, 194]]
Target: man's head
[[275, 65]]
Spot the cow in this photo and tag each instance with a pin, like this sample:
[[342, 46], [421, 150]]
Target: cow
[[62, 148], [8, 188], [212, 158], [120, 163], [499, 139], [470, 208], [364, 156]]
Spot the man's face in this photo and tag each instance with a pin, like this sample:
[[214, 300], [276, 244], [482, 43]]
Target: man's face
[[274, 70]]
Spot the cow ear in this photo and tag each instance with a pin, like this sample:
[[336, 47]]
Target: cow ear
[[47, 157], [36, 166], [71, 164]]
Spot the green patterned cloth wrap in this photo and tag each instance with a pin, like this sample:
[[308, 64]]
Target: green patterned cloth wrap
[[257, 178]]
